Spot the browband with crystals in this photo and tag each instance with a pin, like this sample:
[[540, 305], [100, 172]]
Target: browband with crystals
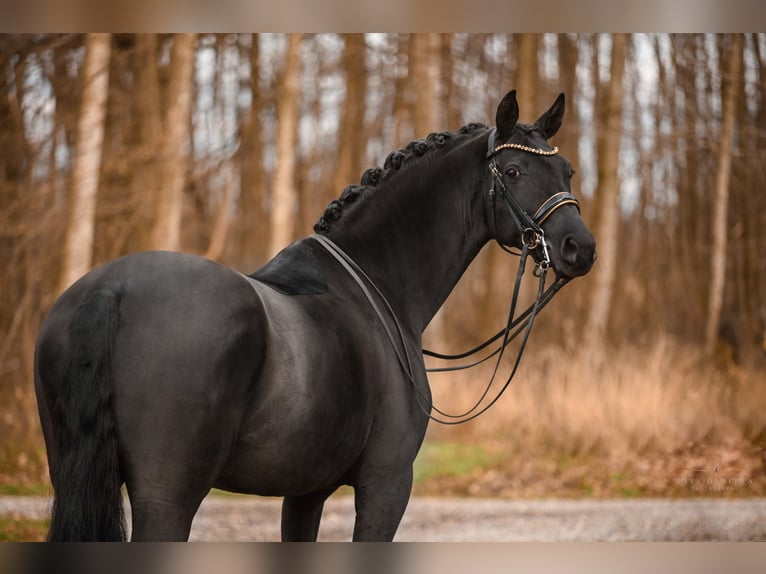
[[538, 151], [492, 150]]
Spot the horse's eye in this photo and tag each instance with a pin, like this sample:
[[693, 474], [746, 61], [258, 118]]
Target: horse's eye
[[512, 172]]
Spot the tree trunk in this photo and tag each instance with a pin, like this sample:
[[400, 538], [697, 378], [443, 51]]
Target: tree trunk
[[567, 138], [447, 65], [401, 110], [731, 83], [78, 243], [284, 199], [149, 132], [425, 75], [608, 196], [693, 194], [175, 145], [284, 196], [252, 223], [222, 221], [351, 133], [527, 75], [428, 117]]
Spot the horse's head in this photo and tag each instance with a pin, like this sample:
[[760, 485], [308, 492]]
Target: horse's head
[[532, 184]]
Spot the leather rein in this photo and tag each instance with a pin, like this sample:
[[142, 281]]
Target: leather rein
[[532, 236]]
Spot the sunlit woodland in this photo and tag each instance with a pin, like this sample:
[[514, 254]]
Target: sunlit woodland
[[231, 145]]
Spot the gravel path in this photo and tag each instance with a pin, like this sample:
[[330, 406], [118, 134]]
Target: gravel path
[[440, 519]]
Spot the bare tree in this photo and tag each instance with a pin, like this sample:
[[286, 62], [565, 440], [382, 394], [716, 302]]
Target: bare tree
[[731, 85], [527, 74], [252, 223], [567, 136], [401, 111], [608, 195], [350, 134], [693, 192], [222, 221], [284, 195], [78, 243], [174, 146], [451, 110], [149, 133], [428, 116], [426, 78]]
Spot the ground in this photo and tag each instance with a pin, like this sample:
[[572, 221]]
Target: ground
[[229, 518]]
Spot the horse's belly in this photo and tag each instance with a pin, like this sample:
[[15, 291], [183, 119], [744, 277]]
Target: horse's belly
[[306, 429], [293, 460]]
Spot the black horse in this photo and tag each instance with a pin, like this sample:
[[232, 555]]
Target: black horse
[[172, 374]]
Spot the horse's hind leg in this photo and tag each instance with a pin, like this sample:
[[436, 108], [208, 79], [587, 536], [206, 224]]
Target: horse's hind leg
[[301, 516], [170, 466], [155, 520], [165, 493]]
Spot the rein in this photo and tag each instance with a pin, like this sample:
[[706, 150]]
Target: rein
[[532, 236]]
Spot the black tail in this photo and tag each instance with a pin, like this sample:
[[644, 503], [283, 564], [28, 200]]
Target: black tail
[[86, 474]]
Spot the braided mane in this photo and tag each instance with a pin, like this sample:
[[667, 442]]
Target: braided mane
[[396, 160]]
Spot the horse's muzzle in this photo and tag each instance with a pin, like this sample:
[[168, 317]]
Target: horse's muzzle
[[576, 254]]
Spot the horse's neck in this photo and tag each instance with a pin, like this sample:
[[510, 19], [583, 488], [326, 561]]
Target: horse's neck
[[419, 236]]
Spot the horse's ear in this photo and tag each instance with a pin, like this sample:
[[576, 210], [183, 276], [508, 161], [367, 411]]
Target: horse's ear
[[507, 115], [550, 122]]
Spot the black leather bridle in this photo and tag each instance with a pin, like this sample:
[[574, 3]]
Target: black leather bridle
[[530, 227], [532, 237]]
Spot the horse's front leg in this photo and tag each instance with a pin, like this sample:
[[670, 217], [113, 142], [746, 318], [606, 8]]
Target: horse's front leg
[[380, 501], [301, 516]]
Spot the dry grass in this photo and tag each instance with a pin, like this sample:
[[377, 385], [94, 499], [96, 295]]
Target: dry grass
[[23, 529], [654, 421]]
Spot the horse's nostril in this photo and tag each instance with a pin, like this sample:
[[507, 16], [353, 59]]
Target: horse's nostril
[[569, 249]]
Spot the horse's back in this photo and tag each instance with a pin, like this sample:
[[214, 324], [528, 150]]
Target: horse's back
[[170, 304]]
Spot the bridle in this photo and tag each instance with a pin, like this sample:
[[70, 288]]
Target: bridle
[[530, 227], [532, 236]]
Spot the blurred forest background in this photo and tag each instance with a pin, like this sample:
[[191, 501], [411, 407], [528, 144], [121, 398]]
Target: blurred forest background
[[650, 369]]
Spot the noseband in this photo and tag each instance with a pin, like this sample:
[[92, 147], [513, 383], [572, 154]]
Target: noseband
[[530, 227]]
